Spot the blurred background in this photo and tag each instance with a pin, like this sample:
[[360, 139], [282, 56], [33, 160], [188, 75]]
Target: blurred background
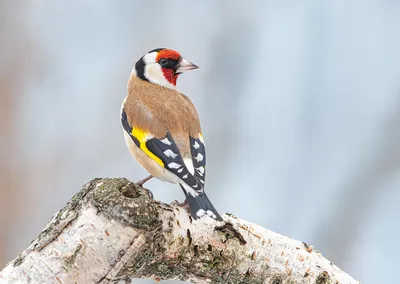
[[299, 101]]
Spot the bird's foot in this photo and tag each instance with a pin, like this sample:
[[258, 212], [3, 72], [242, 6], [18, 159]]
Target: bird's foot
[[184, 204], [149, 193]]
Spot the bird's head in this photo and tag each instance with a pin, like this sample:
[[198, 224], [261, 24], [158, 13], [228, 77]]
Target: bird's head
[[162, 66]]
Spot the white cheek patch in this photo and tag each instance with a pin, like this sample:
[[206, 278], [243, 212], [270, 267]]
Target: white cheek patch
[[153, 71], [154, 74]]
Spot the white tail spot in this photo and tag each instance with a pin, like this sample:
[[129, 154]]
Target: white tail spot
[[211, 214], [200, 213]]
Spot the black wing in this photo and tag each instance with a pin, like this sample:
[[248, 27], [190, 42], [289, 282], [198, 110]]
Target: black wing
[[199, 158], [167, 151], [128, 128], [169, 154]]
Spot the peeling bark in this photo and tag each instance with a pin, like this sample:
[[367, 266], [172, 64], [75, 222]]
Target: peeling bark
[[112, 232]]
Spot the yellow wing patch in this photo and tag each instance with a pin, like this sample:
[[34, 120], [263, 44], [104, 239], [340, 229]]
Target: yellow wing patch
[[201, 137], [142, 137]]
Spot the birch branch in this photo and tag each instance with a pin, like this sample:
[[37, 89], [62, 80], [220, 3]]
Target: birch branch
[[112, 232]]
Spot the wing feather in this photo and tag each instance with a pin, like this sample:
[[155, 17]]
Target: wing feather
[[165, 152], [199, 158]]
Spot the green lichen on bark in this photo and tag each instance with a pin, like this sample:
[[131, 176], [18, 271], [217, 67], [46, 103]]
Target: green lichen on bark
[[188, 259], [230, 232], [119, 199], [185, 258], [69, 261], [323, 278]]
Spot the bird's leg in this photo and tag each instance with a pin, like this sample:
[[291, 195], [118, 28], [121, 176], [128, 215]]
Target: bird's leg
[[141, 182]]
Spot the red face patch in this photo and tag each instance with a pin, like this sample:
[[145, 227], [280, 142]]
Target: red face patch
[[169, 54], [169, 74]]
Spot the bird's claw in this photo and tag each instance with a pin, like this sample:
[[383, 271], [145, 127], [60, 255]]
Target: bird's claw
[[184, 204], [149, 193]]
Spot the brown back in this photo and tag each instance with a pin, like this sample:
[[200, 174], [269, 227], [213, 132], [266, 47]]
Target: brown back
[[158, 109]]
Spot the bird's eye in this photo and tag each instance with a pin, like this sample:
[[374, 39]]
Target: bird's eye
[[163, 61]]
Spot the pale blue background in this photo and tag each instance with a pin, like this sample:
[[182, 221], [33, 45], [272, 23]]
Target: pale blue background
[[299, 101]]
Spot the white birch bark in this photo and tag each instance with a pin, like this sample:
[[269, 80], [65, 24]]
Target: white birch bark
[[112, 232]]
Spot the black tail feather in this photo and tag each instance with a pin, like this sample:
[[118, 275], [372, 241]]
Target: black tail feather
[[201, 205]]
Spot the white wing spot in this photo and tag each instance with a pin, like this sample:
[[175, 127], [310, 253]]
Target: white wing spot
[[169, 153], [180, 170], [202, 181], [174, 165], [185, 176], [166, 141], [199, 157], [200, 170], [200, 213], [195, 186], [196, 145]]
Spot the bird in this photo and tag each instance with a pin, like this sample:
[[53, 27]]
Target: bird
[[162, 128]]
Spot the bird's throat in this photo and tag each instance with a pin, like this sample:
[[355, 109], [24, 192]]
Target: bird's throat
[[170, 75]]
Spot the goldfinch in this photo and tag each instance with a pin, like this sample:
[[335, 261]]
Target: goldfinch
[[162, 128]]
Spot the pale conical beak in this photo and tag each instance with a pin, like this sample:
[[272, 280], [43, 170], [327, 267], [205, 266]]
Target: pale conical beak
[[185, 65]]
